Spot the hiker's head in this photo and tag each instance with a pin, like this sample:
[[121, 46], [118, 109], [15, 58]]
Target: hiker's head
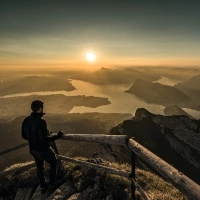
[[37, 106]]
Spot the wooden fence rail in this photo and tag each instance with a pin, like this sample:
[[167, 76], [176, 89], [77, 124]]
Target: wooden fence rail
[[13, 148], [96, 166], [189, 188], [97, 138], [78, 162]]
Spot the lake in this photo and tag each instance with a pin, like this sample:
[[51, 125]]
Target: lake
[[121, 102]]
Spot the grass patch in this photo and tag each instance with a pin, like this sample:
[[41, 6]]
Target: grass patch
[[108, 184]]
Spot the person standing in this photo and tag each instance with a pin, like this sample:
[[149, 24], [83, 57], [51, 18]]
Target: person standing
[[34, 129]]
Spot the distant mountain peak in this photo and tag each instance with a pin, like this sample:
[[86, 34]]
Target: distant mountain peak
[[142, 113], [105, 69]]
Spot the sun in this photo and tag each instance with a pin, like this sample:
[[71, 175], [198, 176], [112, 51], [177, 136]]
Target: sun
[[91, 57]]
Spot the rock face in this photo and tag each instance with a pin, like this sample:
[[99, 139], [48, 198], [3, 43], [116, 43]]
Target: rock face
[[113, 153], [176, 139], [158, 93]]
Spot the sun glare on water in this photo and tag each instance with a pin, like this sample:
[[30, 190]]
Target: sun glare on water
[[91, 57]]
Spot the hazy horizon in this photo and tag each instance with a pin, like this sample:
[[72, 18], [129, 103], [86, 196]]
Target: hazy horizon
[[52, 67], [60, 34]]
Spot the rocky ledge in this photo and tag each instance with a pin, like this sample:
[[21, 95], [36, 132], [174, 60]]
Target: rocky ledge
[[176, 139]]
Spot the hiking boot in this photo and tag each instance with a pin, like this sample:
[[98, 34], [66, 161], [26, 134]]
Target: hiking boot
[[52, 187], [43, 188]]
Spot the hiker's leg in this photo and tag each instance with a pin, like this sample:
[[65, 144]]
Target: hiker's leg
[[40, 171], [52, 173], [51, 159]]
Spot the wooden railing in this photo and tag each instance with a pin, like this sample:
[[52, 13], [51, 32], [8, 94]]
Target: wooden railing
[[188, 187]]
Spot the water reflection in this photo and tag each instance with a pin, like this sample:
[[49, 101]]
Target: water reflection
[[167, 81]]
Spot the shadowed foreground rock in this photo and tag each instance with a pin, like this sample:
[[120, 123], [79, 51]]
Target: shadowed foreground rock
[[176, 139], [63, 192], [24, 193], [85, 183]]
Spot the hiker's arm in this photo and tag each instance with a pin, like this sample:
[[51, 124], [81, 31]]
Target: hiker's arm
[[55, 137], [44, 133]]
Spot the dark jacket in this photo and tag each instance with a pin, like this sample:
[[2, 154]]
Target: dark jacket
[[34, 129]]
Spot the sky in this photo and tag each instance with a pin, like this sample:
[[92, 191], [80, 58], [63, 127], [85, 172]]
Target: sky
[[59, 33]]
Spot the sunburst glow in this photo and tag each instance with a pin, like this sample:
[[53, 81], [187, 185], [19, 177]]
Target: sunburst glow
[[90, 57]]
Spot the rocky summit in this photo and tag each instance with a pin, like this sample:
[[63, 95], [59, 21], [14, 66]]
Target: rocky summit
[[175, 139]]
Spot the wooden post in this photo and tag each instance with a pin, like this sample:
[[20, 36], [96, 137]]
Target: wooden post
[[133, 187], [59, 163]]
